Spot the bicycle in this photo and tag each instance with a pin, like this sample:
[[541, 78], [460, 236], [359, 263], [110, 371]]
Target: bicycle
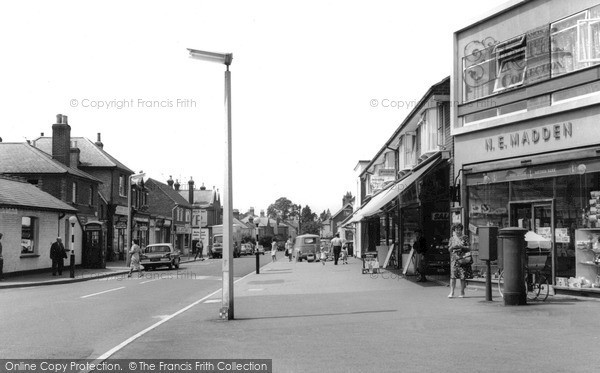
[[536, 281]]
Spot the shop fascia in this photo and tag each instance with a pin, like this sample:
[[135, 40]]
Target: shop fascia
[[529, 137]]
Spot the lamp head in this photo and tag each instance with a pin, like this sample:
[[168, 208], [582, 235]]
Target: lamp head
[[224, 58], [73, 220]]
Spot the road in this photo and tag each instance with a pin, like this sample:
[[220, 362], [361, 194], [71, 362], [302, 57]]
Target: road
[[86, 319]]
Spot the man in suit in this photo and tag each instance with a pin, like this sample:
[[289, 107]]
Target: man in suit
[[57, 254]]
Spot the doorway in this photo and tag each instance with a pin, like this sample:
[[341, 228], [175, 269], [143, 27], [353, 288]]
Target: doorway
[[536, 216]]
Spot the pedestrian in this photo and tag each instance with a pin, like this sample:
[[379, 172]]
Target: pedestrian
[[289, 248], [420, 248], [459, 250], [274, 251], [323, 257], [336, 244], [135, 257], [57, 254], [345, 254], [199, 249]]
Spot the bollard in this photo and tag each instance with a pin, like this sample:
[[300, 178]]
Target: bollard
[[72, 264], [513, 247], [257, 263]]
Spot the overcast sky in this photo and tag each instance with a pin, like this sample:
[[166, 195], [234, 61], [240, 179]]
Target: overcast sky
[[304, 75]]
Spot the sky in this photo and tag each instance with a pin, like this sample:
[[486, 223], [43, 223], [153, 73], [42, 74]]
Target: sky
[[316, 85]]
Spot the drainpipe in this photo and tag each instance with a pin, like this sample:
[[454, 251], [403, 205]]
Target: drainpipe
[[60, 216], [173, 225]]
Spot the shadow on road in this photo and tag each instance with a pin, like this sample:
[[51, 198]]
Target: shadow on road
[[315, 315]]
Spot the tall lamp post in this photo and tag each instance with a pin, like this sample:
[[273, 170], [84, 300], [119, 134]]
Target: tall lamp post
[[72, 220], [227, 265], [130, 179]]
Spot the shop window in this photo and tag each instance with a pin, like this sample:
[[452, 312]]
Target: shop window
[[532, 190], [28, 235], [488, 204]]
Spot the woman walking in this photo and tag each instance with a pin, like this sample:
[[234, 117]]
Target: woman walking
[[274, 251], [135, 257]]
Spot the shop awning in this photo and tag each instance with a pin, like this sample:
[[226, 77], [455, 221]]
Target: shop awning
[[388, 195]]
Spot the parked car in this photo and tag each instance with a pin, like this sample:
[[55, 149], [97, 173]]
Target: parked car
[[260, 249], [246, 249], [158, 255], [307, 247]]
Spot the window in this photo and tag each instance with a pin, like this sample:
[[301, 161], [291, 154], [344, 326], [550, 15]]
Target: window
[[428, 132], [74, 193], [122, 186], [28, 235], [91, 200], [479, 71], [575, 42], [510, 56], [441, 138]]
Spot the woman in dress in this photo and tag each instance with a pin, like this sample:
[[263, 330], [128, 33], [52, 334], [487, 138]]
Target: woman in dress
[[458, 246], [135, 257]]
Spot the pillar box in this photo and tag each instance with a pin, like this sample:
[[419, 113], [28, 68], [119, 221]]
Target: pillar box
[[513, 247]]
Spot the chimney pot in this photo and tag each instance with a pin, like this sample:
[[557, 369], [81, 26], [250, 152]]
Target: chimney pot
[[65, 119], [170, 181], [42, 134]]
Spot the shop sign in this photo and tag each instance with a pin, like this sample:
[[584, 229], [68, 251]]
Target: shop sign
[[8, 211], [142, 220], [440, 216], [167, 223], [534, 136], [382, 178], [143, 228], [121, 225], [182, 230], [121, 210]]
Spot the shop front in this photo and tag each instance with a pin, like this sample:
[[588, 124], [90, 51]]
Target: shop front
[[550, 187]]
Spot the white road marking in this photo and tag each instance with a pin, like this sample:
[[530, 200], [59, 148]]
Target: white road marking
[[213, 301], [145, 282], [115, 349], [256, 289], [102, 292]]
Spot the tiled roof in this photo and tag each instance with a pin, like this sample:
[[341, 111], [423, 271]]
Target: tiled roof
[[202, 197], [169, 192], [21, 194], [90, 155], [22, 158]]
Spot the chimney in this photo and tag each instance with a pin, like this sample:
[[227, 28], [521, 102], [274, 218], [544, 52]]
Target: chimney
[[191, 191], [99, 142], [251, 211], [74, 154], [61, 140], [202, 187], [236, 214], [42, 134], [170, 182], [177, 185]]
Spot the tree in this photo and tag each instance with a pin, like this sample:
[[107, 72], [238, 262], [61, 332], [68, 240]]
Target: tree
[[283, 208], [326, 214], [308, 223]]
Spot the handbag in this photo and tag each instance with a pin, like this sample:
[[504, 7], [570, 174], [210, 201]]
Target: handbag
[[465, 259]]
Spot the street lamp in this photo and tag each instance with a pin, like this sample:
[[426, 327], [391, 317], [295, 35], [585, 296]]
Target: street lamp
[[227, 265], [132, 178], [72, 220]]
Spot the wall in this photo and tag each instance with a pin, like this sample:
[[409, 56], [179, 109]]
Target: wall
[[48, 229]]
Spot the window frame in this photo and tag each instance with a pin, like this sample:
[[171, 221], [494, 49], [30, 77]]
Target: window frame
[[33, 230], [74, 192]]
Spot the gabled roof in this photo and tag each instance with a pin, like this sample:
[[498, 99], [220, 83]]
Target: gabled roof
[[172, 194], [90, 154], [19, 194], [345, 207], [22, 158]]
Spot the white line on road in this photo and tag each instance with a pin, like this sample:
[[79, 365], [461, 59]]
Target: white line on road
[[102, 292], [213, 301], [145, 282], [114, 350]]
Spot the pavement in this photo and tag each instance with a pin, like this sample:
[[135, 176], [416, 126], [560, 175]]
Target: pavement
[[309, 317]]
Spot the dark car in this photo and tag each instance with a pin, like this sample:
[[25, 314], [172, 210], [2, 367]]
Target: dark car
[[159, 255]]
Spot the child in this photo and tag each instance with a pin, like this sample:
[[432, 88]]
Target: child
[[323, 255], [274, 251], [344, 255]]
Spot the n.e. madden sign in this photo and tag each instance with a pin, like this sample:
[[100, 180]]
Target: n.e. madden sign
[[529, 137]]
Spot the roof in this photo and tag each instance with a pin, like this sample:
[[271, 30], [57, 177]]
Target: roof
[[201, 196], [345, 207], [15, 193], [172, 194], [22, 158], [90, 154]]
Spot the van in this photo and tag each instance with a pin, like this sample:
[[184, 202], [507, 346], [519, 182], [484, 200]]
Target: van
[[307, 247], [216, 251]]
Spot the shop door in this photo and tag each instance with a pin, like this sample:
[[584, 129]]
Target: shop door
[[537, 217]]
